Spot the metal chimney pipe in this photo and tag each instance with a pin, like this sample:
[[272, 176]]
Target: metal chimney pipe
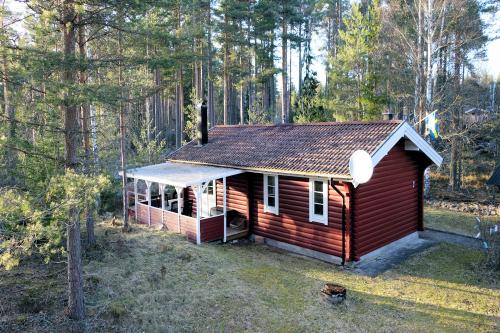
[[388, 115], [202, 131]]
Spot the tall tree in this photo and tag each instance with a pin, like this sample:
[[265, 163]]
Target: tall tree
[[85, 121], [123, 124], [289, 13], [354, 80], [9, 109], [71, 127]]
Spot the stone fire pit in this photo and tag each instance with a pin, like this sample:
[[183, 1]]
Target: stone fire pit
[[333, 293]]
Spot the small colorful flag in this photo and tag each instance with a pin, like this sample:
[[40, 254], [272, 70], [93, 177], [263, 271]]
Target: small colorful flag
[[431, 125]]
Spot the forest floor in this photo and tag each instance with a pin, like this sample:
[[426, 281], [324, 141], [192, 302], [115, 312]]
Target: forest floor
[[156, 281]]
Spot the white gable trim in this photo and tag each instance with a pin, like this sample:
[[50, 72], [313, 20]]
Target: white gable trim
[[406, 131]]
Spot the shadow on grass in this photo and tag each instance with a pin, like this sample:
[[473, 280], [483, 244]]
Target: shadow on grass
[[167, 282], [452, 264], [424, 316]]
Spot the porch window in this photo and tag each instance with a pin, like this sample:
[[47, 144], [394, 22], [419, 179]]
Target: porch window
[[208, 199], [318, 201], [271, 195]]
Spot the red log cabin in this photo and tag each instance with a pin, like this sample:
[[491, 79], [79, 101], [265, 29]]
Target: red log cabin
[[291, 186]]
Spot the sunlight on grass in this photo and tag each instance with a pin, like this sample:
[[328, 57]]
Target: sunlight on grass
[[157, 281], [452, 221]]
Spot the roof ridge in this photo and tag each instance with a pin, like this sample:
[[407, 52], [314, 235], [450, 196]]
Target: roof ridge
[[326, 123]]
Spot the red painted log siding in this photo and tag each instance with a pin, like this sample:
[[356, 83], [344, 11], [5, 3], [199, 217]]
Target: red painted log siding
[[212, 228], [156, 216], [170, 220], [386, 208], [188, 227], [188, 224], [292, 224], [142, 213], [189, 195], [236, 194]]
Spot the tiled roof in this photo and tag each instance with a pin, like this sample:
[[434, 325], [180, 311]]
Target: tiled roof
[[309, 149]]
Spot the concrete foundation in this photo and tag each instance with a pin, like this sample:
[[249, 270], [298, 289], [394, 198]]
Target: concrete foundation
[[390, 255], [297, 249], [392, 247]]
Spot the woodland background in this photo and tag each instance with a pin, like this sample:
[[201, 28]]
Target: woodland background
[[91, 87]]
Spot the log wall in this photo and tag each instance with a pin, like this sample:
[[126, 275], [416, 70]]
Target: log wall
[[236, 194], [212, 228], [386, 208], [292, 224]]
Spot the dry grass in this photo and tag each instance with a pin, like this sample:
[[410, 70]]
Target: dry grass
[[157, 281], [453, 221]]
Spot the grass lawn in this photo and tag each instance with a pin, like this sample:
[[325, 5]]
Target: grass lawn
[[452, 221], [155, 281]]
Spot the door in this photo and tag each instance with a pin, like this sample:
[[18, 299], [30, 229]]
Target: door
[[208, 199]]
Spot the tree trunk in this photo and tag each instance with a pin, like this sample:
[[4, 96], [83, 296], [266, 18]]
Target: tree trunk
[[210, 83], [418, 100], [179, 109], [179, 90], [242, 111], [147, 109], [289, 94], [85, 115], [158, 105], [93, 132], [284, 65], [456, 140], [301, 61], [123, 133], [10, 112], [227, 84], [75, 284], [430, 52]]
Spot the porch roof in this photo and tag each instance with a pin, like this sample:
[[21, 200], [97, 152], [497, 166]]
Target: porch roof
[[180, 174]]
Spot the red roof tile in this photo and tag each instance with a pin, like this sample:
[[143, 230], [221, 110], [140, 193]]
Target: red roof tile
[[308, 149]]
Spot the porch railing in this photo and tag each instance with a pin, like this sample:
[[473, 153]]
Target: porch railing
[[211, 228]]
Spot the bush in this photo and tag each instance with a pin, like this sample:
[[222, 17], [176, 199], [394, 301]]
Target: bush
[[117, 309], [491, 241]]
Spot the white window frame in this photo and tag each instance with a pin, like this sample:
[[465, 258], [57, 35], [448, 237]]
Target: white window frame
[[269, 209], [312, 216], [208, 202]]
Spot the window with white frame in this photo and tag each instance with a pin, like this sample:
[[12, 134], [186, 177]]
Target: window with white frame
[[318, 201], [271, 194]]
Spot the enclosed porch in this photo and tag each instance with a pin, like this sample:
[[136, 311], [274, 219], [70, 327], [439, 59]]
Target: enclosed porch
[[183, 198]]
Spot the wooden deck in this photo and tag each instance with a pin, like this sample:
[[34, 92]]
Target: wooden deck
[[232, 233]]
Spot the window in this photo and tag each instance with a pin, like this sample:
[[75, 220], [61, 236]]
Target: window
[[271, 195], [208, 199], [318, 201]]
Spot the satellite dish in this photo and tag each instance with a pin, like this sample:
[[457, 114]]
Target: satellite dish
[[360, 167]]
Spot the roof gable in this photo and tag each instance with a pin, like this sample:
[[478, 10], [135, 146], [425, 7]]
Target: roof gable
[[321, 149]]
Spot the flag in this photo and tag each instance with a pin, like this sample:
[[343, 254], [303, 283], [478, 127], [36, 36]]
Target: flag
[[431, 125]]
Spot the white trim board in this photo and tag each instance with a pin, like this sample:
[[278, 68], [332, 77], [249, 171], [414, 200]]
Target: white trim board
[[405, 131], [180, 174]]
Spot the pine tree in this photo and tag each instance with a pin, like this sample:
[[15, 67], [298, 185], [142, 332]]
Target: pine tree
[[354, 80]]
